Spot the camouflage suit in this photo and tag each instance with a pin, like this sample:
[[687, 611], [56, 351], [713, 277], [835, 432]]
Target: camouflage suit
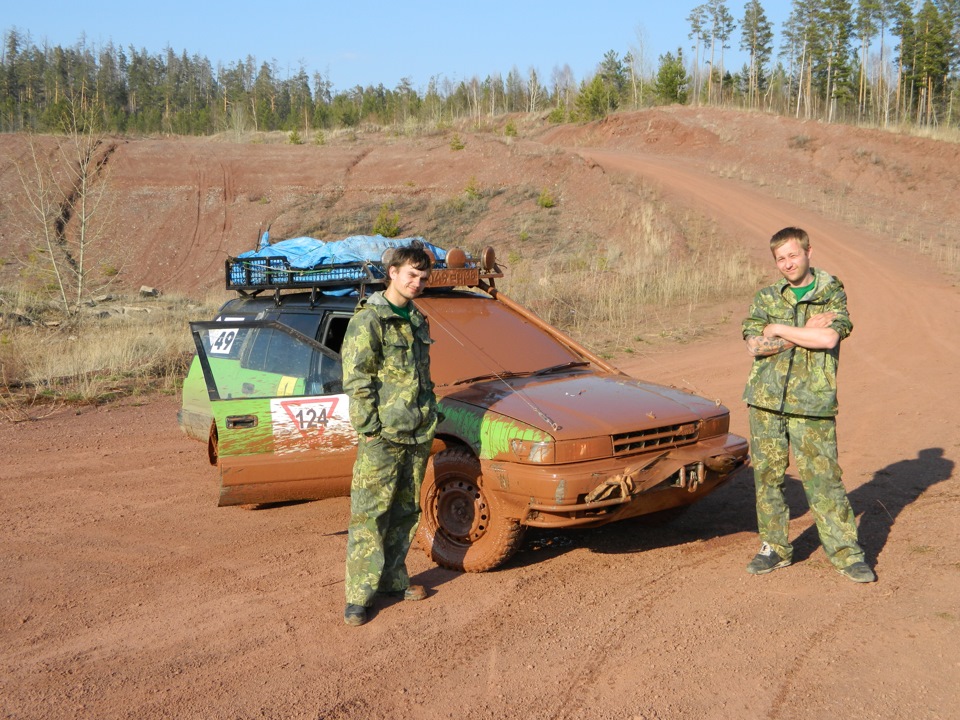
[[792, 397], [386, 374]]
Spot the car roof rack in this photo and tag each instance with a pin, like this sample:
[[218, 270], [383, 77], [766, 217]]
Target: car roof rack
[[250, 276]]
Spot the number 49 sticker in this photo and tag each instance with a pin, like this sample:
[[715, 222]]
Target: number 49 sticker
[[221, 341]]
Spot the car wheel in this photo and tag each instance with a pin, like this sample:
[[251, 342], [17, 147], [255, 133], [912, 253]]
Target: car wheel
[[463, 526]]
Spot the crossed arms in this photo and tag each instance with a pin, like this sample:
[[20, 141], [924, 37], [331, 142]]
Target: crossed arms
[[816, 334]]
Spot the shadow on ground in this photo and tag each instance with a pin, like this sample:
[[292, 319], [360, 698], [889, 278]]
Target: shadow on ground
[[731, 510], [879, 501]]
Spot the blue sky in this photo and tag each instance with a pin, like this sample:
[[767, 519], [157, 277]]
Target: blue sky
[[366, 43]]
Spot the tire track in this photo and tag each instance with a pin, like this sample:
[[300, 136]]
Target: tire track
[[188, 257], [638, 604]]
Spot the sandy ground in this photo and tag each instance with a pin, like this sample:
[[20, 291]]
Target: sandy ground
[[126, 593]]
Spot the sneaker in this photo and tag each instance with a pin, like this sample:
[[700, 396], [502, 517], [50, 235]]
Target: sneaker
[[858, 572], [413, 592], [355, 615], [767, 560]]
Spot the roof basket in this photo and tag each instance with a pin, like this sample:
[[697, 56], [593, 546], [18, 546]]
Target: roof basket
[[252, 275], [271, 273]]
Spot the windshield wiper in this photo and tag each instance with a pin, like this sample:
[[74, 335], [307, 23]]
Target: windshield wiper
[[489, 376], [561, 366], [517, 374]]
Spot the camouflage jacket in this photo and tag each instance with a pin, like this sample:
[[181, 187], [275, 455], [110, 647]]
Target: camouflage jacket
[[386, 373], [797, 381]]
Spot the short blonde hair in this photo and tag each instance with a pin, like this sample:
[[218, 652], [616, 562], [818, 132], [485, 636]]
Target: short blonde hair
[[788, 234]]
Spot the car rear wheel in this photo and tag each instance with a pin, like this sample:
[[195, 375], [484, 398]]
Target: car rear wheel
[[463, 526]]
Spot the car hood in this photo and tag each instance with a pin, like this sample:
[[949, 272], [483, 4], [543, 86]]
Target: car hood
[[583, 404]]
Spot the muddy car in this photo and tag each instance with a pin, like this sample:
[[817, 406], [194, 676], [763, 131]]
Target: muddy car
[[538, 431]]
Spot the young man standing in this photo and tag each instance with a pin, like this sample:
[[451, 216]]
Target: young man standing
[[794, 332], [386, 374]]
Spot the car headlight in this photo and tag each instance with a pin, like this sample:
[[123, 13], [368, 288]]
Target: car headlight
[[542, 451], [584, 449], [563, 451], [714, 426]]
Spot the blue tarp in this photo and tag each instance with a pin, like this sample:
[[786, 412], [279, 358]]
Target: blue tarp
[[306, 252], [293, 259]]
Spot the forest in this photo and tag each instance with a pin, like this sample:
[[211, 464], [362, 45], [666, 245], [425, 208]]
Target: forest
[[880, 62]]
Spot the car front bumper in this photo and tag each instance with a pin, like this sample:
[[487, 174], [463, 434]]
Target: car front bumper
[[599, 492]]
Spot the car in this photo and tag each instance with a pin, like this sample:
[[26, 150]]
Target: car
[[537, 430]]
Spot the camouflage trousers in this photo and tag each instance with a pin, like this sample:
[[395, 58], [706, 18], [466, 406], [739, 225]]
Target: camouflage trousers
[[384, 513], [814, 445]]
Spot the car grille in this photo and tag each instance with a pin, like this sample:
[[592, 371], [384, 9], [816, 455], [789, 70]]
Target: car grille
[[669, 436]]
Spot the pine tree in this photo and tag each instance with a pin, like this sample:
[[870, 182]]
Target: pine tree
[[756, 39], [591, 102], [867, 22], [933, 45], [614, 79], [722, 27], [671, 84], [904, 30], [698, 32]]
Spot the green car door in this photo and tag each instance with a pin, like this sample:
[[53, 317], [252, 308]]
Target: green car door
[[282, 420]]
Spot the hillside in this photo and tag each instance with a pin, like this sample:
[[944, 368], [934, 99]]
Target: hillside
[[177, 207]]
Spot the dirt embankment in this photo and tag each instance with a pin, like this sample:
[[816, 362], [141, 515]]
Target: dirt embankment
[[127, 593]]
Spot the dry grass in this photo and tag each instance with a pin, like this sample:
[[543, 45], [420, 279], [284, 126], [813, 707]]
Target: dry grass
[[943, 133], [615, 297], [937, 239], [139, 347]]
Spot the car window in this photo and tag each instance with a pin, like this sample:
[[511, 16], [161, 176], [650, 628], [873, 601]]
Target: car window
[[336, 328], [304, 323], [226, 342], [270, 351], [273, 352], [266, 361]]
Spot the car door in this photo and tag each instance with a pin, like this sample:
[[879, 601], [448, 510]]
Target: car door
[[282, 419]]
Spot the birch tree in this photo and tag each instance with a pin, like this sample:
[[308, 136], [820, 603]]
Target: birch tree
[[63, 191]]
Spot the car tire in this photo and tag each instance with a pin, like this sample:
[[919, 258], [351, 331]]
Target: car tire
[[463, 526]]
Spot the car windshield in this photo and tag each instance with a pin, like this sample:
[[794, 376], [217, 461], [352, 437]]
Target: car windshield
[[478, 338]]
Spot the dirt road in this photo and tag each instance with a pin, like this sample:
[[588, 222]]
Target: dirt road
[[126, 593]]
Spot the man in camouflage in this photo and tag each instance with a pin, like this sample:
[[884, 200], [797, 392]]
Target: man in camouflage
[[794, 332], [386, 374]]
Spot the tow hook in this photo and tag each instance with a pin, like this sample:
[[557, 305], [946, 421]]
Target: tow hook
[[692, 476]]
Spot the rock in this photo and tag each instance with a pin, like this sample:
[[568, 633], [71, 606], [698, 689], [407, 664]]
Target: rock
[[147, 291], [13, 318], [105, 298]]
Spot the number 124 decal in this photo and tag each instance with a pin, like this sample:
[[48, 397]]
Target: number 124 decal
[[309, 415]]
